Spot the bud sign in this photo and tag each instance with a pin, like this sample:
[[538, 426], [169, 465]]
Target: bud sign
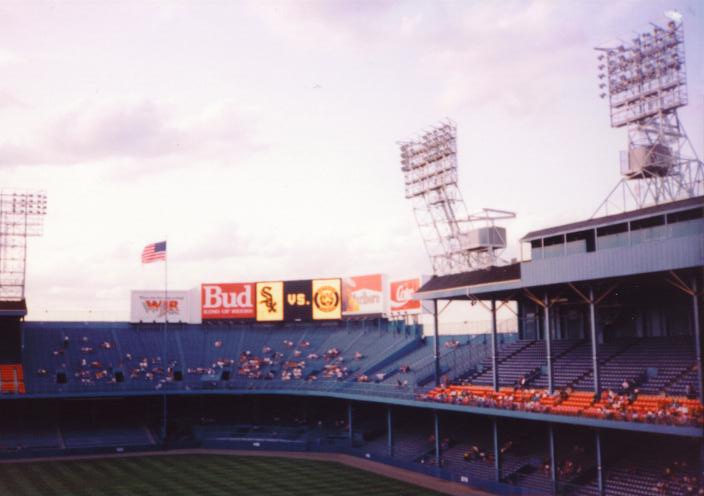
[[228, 301]]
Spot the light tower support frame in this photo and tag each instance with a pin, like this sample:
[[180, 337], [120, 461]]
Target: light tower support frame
[[453, 244], [21, 216], [646, 83]]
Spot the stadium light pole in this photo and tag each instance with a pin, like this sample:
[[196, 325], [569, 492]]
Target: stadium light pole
[[645, 82], [429, 165], [21, 216]]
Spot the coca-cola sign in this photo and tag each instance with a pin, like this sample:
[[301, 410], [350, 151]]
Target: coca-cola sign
[[401, 293], [227, 301]]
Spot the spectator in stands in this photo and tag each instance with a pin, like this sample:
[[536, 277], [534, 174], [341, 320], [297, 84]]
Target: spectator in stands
[[452, 344], [689, 392]]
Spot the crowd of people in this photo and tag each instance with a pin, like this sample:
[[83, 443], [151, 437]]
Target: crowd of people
[[678, 477], [273, 364], [295, 361], [89, 369], [610, 405], [535, 400]]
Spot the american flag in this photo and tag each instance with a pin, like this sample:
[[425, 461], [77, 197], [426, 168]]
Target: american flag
[[154, 252]]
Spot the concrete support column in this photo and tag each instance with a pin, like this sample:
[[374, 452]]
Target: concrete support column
[[599, 467], [521, 319], [497, 450], [553, 458], [494, 348], [548, 348], [165, 418], [436, 343], [595, 344], [701, 455], [697, 339], [436, 420], [389, 432]]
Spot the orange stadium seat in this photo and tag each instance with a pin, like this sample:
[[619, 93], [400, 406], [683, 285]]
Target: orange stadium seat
[[12, 379]]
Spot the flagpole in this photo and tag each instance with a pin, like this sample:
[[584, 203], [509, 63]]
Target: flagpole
[[165, 364]]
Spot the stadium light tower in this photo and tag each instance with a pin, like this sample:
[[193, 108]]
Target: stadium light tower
[[21, 216], [646, 82], [429, 165]]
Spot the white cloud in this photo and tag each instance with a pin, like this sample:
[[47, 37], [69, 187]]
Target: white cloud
[[141, 130]]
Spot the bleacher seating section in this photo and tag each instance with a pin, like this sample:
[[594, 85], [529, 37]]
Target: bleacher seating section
[[661, 364], [123, 357], [135, 357]]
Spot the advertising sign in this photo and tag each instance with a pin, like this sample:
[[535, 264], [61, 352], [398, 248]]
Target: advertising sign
[[401, 293], [327, 299], [227, 301], [297, 300], [270, 301], [363, 295], [152, 307]]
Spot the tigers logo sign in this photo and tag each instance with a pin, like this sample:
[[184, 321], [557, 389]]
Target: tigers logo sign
[[270, 301], [327, 299]]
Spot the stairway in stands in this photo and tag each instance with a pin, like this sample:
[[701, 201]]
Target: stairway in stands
[[11, 379]]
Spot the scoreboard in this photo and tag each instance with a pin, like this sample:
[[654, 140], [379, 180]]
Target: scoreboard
[[299, 301]]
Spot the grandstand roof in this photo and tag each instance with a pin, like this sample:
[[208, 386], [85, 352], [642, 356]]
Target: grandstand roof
[[616, 218], [13, 308], [495, 277]]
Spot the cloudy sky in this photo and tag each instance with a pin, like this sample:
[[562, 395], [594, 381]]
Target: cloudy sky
[[260, 137]]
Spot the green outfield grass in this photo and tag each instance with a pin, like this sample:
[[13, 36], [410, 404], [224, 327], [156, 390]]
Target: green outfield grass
[[185, 475]]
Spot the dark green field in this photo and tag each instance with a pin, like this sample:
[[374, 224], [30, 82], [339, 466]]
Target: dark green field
[[181, 475]]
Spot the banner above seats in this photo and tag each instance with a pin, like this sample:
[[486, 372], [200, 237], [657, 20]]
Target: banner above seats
[[401, 294], [154, 306], [228, 301], [364, 295]]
